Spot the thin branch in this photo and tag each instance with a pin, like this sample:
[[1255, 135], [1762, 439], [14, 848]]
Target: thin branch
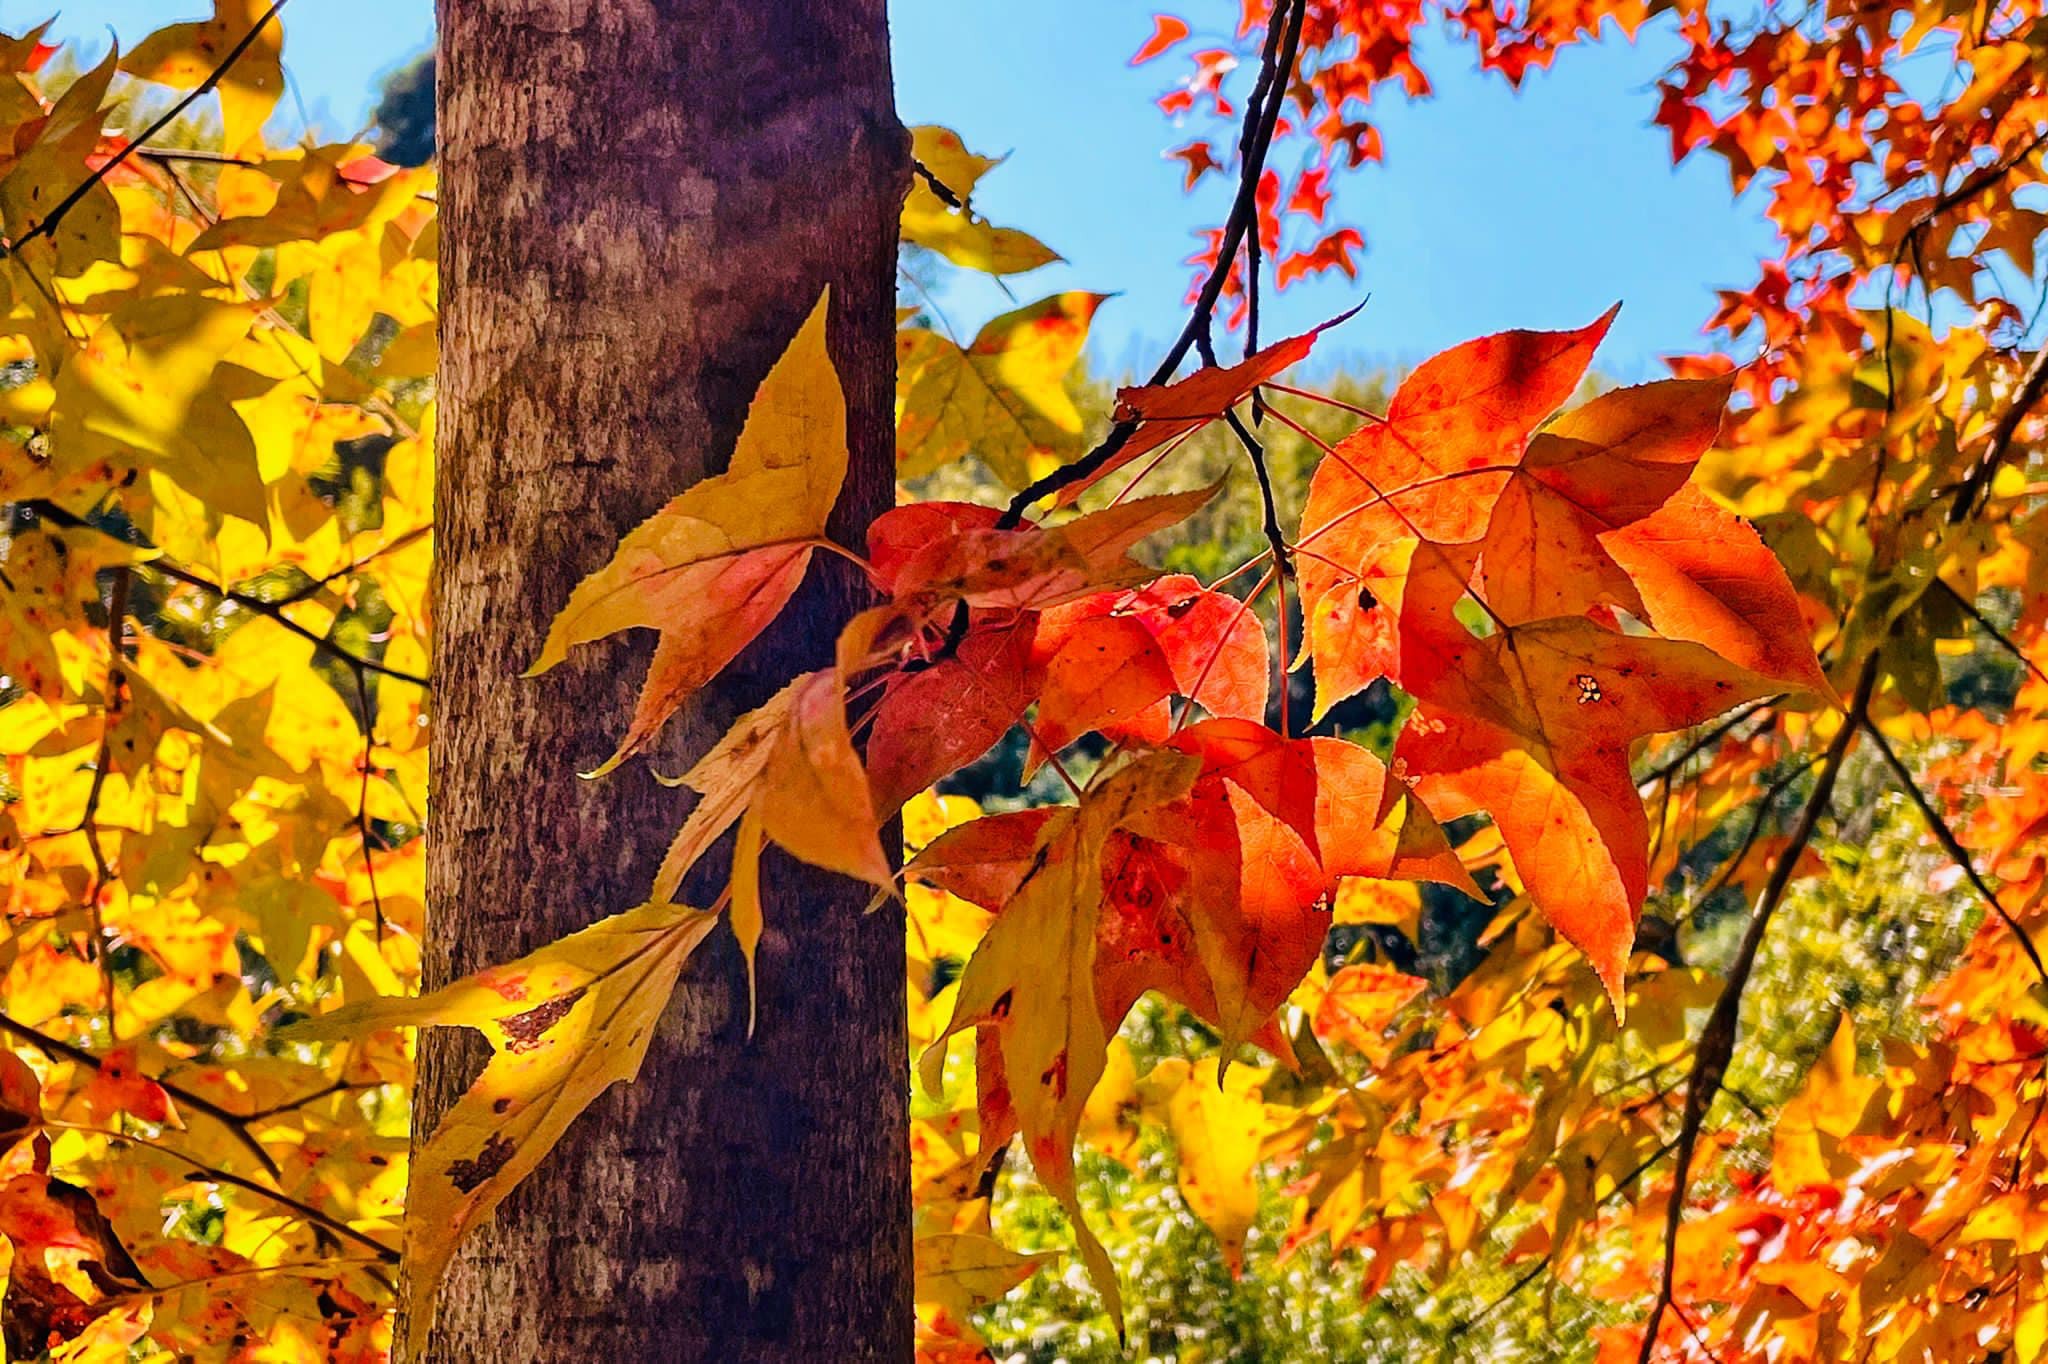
[[1266, 87], [946, 194], [1712, 735], [368, 717], [1911, 240], [170, 155], [1661, 778], [199, 1103], [317, 585], [271, 611], [1621, 1187], [1717, 1038], [324, 1092], [211, 1174], [1283, 43], [1969, 608], [1977, 483], [1982, 180], [1953, 846], [2019, 1155], [319, 1268], [1528, 1277], [50, 220], [88, 823], [1756, 826]]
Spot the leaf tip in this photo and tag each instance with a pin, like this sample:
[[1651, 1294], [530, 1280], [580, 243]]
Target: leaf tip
[[1613, 973], [612, 764], [931, 1065]]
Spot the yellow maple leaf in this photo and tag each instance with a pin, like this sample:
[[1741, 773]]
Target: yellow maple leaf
[[715, 565]]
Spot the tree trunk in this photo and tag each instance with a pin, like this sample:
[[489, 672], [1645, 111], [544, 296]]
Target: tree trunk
[[640, 202]]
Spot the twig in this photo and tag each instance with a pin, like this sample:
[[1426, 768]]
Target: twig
[[1982, 180], [214, 1175], [945, 193], [2019, 1155], [88, 823], [1911, 240], [1666, 770], [199, 1103], [1953, 846], [1660, 779], [272, 611], [1262, 90], [1717, 1038], [50, 220], [324, 1092], [1978, 481], [172, 154], [1969, 608], [1283, 42], [1756, 826], [321, 1268], [1621, 1186], [369, 724], [57, 515], [317, 585], [1483, 1313]]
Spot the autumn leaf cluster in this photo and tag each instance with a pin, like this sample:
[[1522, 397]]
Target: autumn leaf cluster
[[1638, 639]]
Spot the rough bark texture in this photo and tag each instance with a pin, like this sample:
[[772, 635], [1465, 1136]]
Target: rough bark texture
[[640, 201]]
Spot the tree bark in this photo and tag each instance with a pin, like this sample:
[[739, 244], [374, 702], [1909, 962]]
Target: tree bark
[[640, 202]]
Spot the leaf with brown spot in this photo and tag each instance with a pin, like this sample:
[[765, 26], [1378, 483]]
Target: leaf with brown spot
[[568, 1021], [1032, 985]]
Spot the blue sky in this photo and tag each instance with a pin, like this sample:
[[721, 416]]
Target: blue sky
[[1494, 209]]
